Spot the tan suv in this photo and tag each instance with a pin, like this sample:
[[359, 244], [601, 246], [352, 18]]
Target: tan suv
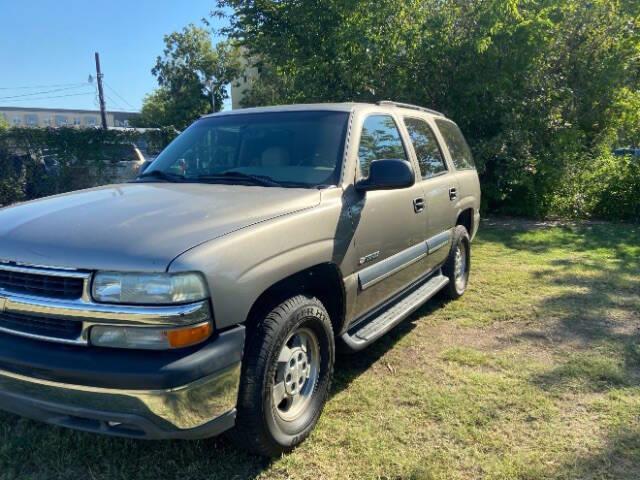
[[210, 293]]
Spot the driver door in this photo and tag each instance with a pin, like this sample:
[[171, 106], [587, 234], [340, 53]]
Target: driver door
[[389, 235]]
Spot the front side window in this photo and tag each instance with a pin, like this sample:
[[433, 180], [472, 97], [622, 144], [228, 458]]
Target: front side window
[[457, 145], [289, 149], [380, 139], [426, 147]]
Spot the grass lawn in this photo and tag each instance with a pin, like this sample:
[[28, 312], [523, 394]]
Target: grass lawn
[[534, 373]]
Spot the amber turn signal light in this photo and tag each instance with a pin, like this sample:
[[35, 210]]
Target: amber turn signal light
[[185, 337]]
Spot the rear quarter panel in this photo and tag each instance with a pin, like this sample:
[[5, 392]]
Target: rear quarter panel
[[469, 195]]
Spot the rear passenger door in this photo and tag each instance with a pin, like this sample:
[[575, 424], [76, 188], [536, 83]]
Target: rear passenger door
[[439, 186]]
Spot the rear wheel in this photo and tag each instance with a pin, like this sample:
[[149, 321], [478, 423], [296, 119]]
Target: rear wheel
[[287, 372], [458, 264]]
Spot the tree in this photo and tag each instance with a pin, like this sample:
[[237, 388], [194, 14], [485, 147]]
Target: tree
[[540, 87], [193, 77]]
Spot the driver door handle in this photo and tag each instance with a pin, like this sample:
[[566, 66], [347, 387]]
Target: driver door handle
[[418, 204]]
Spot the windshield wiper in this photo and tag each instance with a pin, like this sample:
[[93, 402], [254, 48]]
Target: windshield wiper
[[160, 175], [263, 180]]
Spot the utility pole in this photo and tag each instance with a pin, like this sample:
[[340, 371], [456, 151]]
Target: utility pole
[[99, 75]]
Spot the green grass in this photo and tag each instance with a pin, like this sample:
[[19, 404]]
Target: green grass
[[533, 374]]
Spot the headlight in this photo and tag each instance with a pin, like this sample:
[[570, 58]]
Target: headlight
[[148, 288], [149, 338]]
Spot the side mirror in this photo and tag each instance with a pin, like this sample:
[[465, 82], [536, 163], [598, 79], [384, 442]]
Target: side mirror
[[387, 174]]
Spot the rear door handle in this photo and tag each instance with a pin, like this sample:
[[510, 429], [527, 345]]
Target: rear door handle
[[453, 193], [418, 204]]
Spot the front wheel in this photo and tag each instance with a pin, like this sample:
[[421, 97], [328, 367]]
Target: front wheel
[[287, 372], [458, 264]]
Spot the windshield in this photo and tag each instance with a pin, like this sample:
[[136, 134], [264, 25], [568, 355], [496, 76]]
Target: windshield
[[295, 149]]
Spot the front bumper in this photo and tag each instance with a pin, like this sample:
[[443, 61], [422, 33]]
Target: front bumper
[[51, 383]]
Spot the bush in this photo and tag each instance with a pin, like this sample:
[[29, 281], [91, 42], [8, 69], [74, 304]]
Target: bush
[[541, 89], [36, 162]]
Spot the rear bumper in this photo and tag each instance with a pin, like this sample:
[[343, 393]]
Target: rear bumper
[[199, 408]]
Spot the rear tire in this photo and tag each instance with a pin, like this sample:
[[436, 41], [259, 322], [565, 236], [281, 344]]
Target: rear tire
[[286, 377], [458, 264]]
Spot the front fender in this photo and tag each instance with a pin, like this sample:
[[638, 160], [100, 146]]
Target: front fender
[[241, 266]]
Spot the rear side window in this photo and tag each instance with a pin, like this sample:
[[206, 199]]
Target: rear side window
[[426, 147], [457, 145], [380, 140]]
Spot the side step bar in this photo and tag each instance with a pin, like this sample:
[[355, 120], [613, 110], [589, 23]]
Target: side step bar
[[365, 333]]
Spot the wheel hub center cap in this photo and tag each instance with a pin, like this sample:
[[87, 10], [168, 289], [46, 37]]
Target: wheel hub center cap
[[296, 372]]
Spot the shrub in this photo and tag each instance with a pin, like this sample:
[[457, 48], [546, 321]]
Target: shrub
[[36, 162]]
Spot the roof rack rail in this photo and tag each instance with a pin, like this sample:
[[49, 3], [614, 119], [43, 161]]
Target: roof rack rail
[[409, 105]]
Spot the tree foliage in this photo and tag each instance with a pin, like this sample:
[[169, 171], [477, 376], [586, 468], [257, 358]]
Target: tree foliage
[[78, 158], [543, 89], [193, 76]]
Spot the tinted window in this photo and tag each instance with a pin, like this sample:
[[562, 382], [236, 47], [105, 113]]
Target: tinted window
[[292, 148], [380, 139], [426, 147], [457, 145]]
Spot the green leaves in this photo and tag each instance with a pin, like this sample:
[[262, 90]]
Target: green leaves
[[539, 87], [193, 75], [35, 162]]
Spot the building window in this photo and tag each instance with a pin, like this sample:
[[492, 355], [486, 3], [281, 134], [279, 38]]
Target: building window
[[17, 121], [90, 121], [76, 121], [61, 120], [31, 120]]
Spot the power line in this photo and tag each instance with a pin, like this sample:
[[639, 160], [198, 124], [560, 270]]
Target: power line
[[119, 96], [44, 92], [41, 86], [114, 103], [56, 96]]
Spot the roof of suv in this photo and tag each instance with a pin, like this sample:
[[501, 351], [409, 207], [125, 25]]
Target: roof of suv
[[338, 107]]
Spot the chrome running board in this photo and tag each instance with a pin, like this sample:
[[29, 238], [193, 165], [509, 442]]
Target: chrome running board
[[370, 329]]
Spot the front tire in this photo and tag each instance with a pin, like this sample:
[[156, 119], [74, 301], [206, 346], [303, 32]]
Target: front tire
[[458, 264], [286, 377]]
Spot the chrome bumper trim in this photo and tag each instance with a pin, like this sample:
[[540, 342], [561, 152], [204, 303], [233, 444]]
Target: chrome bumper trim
[[181, 408], [90, 314]]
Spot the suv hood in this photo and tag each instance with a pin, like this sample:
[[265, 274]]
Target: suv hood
[[136, 226]]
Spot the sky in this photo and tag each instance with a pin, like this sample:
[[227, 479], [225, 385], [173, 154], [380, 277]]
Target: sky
[[50, 45]]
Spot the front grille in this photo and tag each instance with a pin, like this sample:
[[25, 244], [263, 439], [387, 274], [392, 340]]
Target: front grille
[[42, 326], [41, 285]]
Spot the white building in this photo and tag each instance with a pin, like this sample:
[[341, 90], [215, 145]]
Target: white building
[[56, 117]]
